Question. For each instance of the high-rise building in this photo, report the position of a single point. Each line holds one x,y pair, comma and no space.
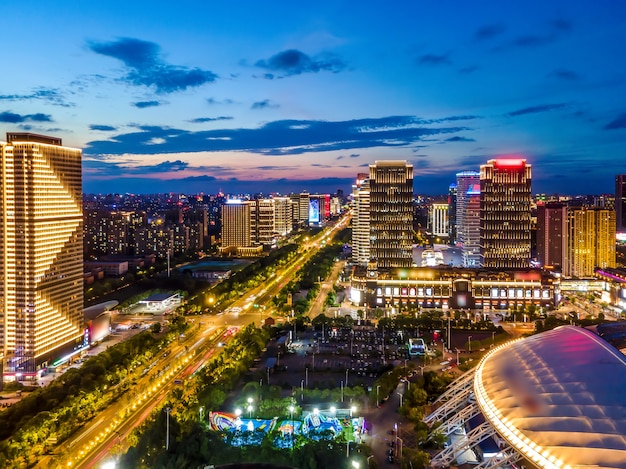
452,213
439,220
620,203
590,241
41,250
505,188
391,214
361,222
283,213
470,250
236,229
465,180
551,233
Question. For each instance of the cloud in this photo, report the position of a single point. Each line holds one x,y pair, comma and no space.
265,104
536,109
201,120
14,118
354,155
48,95
567,75
144,104
617,123
147,68
556,29
103,128
459,139
282,137
489,31
213,101
434,59
294,62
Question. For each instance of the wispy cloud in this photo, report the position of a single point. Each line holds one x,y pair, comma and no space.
536,109
489,31
434,59
147,68
566,75
145,104
202,120
555,30
283,137
459,139
14,118
294,62
214,102
47,95
102,128
617,123
265,104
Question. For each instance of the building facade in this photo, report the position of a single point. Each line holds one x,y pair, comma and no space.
465,180
41,250
439,224
505,216
470,250
361,223
391,214
449,288
551,233
590,241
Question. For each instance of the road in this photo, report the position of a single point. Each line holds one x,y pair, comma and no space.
94,443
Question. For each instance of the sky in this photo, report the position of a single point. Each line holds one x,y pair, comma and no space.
285,96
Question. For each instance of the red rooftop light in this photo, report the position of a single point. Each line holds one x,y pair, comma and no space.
510,163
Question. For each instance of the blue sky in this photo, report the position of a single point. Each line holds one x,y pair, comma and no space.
284,96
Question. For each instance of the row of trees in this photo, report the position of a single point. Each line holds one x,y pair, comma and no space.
55,412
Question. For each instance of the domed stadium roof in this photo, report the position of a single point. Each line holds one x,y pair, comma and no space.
559,398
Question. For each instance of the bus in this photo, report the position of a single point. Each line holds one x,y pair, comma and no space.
417,347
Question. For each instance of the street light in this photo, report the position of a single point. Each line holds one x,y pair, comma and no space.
400,394
377,400
469,343
355,464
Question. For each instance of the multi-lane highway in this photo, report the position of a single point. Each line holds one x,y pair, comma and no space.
93,444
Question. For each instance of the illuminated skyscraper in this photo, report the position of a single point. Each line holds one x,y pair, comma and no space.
505,188
551,233
361,222
438,220
41,249
590,241
470,251
391,214
465,181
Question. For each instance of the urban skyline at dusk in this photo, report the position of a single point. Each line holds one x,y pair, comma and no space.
243,98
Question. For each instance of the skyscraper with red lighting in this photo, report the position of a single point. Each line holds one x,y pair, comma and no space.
505,187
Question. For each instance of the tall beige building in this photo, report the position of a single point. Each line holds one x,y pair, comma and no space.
41,250
391,214
505,197
590,241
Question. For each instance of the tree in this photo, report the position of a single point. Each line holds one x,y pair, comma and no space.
156,328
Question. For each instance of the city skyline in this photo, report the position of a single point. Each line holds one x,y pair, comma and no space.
240,98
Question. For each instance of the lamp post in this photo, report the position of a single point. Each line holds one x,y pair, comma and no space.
342,391
250,409
201,411
377,399
469,343
457,357
400,394
293,427
346,377
167,428
493,337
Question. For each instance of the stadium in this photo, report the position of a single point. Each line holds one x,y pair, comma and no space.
553,400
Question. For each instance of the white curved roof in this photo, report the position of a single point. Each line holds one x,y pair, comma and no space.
558,397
